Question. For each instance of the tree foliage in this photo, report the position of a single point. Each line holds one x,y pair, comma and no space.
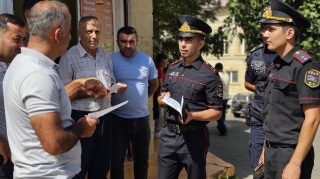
245,14
165,26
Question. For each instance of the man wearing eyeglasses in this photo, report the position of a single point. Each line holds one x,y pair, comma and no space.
85,60
131,121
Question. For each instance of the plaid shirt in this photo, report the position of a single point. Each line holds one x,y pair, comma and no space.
77,63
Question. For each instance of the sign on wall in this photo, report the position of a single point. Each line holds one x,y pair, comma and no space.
103,10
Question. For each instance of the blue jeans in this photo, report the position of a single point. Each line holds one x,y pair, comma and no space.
255,142
136,130
6,171
96,150
221,126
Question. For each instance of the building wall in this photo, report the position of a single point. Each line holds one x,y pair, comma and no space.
141,18
233,60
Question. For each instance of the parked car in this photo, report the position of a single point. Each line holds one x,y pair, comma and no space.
240,103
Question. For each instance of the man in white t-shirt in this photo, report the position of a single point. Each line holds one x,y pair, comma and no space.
225,82
43,139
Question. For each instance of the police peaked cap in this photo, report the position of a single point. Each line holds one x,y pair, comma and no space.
280,12
191,26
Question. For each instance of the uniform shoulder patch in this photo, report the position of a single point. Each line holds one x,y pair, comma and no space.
175,62
256,48
220,90
311,78
302,56
210,67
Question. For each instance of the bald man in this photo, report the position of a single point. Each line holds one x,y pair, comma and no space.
43,138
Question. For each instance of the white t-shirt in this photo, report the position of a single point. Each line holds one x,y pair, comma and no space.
32,87
225,82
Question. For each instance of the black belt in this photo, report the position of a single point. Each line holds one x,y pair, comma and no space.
255,114
279,145
182,128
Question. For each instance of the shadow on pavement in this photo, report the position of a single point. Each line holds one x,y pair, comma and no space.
232,148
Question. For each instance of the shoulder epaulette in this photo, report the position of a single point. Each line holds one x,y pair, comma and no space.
210,67
256,48
302,56
175,62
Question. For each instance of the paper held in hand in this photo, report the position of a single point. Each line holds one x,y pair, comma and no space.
174,104
113,88
96,115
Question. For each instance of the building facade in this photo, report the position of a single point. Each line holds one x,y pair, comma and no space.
233,59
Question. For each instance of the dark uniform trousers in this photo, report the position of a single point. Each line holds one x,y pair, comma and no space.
276,160
255,143
178,151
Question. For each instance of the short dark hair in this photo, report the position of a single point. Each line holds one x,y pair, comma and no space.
28,4
286,26
9,18
218,66
127,30
85,19
160,57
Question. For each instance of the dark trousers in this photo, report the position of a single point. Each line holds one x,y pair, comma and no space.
276,159
96,150
6,171
255,143
155,107
221,122
136,130
187,150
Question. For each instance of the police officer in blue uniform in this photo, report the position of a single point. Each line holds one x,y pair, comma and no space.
185,140
292,96
256,75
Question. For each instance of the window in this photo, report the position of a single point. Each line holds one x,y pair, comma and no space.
233,75
241,46
225,45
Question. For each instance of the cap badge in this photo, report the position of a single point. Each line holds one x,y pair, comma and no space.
268,15
186,28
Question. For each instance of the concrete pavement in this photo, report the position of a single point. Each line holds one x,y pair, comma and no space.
233,148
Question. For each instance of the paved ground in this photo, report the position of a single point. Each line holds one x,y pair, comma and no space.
234,147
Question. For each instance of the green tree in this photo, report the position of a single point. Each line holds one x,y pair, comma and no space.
245,14
165,26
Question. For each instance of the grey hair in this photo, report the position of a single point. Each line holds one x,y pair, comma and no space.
42,20
86,19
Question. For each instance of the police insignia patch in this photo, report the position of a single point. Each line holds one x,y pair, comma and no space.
311,78
220,90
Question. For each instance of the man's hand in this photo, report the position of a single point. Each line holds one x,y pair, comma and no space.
188,119
291,171
5,150
122,89
261,159
162,104
94,87
88,126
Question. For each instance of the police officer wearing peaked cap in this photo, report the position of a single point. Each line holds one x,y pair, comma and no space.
185,139
256,76
292,96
